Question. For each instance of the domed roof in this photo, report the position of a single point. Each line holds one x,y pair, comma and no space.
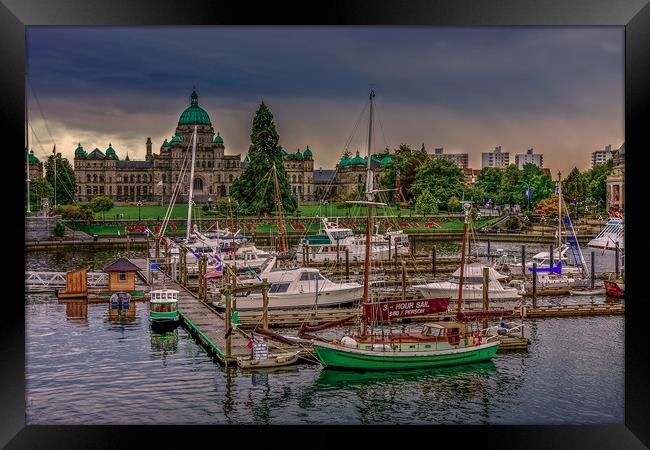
166,144
194,114
110,151
387,159
176,138
32,159
283,152
298,155
80,150
345,160
308,153
357,159
218,139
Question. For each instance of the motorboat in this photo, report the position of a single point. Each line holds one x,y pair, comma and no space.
472,285
298,288
163,307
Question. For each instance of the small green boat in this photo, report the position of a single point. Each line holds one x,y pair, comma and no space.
439,344
163,307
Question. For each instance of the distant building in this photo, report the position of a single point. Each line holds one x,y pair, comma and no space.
616,180
601,156
35,166
324,186
529,158
471,175
460,159
497,158
300,172
351,172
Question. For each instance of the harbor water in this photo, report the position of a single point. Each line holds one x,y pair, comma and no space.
88,369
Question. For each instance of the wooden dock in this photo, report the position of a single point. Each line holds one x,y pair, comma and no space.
575,310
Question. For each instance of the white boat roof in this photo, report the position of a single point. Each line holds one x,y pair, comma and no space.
476,270
164,291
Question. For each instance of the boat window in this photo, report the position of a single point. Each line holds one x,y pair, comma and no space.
304,276
433,331
279,287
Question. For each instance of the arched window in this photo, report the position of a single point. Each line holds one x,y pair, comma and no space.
219,178
132,180
294,178
230,178
94,178
89,178
299,178
209,164
138,178
198,184
164,178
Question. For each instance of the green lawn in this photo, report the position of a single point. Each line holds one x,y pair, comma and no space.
180,212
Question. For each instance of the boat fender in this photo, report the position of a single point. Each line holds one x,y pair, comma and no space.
348,342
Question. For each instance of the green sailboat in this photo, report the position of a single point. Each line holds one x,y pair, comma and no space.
436,344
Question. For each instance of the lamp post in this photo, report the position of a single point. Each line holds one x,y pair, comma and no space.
210,202
139,214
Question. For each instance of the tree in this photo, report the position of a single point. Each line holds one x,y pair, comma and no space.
509,191
101,203
66,185
441,177
426,203
596,181
225,204
547,207
39,188
407,161
534,179
254,190
490,179
453,204
574,187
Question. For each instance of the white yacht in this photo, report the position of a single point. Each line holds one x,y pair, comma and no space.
323,246
612,234
299,288
472,286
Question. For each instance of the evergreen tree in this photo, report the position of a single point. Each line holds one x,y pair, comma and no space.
407,161
596,181
254,190
574,187
66,185
426,203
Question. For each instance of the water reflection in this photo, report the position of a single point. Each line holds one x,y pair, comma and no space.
164,342
76,310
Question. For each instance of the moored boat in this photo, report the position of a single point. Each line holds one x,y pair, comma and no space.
163,307
613,289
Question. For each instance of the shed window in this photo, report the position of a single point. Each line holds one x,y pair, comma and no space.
121,276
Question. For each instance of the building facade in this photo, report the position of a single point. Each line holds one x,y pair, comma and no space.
601,156
350,178
529,158
103,173
496,158
460,159
616,181
300,173
34,166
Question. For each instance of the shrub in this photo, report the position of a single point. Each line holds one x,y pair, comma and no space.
59,229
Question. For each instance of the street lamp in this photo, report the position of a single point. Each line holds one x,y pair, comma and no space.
210,202
139,206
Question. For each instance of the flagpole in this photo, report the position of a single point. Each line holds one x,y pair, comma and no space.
54,158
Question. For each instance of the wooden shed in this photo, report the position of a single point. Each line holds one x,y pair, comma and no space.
121,275
75,285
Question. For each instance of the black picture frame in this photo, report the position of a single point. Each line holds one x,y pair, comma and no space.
15,15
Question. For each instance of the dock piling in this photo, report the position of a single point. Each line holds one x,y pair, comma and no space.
534,285
550,252
616,255
523,261
486,299
433,261
593,268
347,265
265,304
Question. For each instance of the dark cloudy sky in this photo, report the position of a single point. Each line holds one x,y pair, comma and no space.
558,90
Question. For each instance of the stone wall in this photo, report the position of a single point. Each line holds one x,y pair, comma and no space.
40,228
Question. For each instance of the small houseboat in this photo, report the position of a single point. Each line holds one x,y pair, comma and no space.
163,307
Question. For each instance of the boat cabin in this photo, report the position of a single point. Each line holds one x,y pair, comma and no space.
121,275
163,301
451,331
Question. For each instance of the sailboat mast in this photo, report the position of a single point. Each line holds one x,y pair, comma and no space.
278,202
462,259
559,215
189,199
27,146
366,266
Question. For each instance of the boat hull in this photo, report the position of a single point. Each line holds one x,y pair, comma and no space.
301,300
469,293
337,356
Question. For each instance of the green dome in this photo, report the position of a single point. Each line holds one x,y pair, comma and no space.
357,159
386,160
345,160
110,151
166,144
218,139
176,138
194,115
80,150
308,153
298,155
283,152
32,159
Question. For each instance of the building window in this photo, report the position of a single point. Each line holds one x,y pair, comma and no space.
299,178
230,178
121,276
198,184
219,178
95,178
101,189
119,190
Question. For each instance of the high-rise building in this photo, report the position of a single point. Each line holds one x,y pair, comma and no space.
601,156
460,159
529,157
497,158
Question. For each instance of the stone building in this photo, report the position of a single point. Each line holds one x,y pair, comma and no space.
300,173
154,178
616,181
351,172
35,166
